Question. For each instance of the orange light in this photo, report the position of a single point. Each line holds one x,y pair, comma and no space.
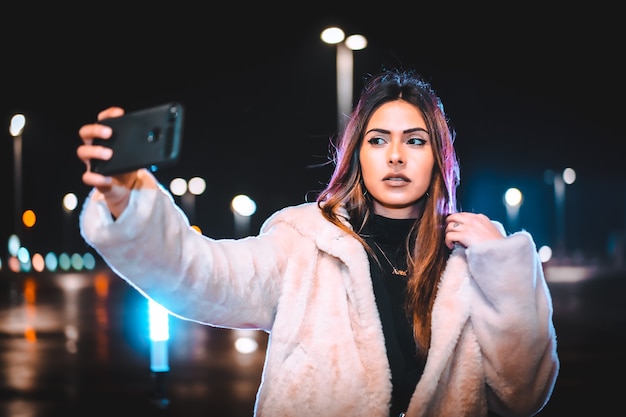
30,292
101,284
30,287
29,218
30,334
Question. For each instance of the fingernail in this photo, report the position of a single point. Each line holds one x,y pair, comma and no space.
106,153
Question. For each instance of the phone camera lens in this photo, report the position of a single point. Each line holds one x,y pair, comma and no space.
154,135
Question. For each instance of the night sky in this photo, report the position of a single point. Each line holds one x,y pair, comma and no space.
526,90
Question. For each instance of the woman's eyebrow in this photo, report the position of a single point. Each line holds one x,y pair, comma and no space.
414,129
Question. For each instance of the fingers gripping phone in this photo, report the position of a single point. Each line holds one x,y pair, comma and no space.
148,138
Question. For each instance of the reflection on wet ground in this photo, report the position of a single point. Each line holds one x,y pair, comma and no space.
76,344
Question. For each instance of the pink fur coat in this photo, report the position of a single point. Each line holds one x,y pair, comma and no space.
308,284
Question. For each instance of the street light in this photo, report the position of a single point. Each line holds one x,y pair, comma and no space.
187,191
345,67
16,128
513,200
158,322
559,180
242,207
70,203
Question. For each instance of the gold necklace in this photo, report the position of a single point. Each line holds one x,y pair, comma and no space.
394,270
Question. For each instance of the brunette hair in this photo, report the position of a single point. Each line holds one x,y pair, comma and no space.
427,252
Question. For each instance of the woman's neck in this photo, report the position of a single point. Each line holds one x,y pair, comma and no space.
412,211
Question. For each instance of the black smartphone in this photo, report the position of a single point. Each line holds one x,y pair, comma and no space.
148,138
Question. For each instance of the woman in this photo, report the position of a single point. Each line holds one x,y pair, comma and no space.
380,299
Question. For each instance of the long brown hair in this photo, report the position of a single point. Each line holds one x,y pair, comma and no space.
427,253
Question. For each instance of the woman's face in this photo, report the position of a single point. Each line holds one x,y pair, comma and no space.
396,159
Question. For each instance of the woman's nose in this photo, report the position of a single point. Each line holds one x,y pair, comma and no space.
395,153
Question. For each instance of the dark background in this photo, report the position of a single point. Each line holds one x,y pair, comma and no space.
527,88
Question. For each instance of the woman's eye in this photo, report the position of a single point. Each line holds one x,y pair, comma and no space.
416,141
376,141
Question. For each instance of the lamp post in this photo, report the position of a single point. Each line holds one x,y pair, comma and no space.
187,191
558,181
513,200
16,129
345,68
242,207
158,322
70,203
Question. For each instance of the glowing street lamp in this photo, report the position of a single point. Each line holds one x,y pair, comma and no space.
69,203
159,332
16,128
559,180
187,191
345,67
243,207
513,200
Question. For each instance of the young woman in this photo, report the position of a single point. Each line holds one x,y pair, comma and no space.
380,299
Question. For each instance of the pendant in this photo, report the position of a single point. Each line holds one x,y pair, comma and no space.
397,271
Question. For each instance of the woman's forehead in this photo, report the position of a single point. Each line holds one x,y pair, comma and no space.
396,115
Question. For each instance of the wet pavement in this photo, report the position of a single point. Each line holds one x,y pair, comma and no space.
76,344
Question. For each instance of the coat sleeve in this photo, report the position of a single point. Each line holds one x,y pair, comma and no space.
226,283
511,313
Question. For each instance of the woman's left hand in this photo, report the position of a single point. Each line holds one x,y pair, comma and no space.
470,228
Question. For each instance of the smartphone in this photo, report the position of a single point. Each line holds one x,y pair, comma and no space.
148,138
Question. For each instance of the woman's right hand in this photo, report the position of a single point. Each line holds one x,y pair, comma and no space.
115,189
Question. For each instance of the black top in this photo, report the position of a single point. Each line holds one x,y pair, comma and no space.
389,290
